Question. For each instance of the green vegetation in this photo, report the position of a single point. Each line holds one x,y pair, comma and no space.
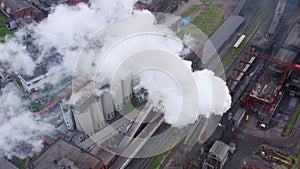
22,164
135,103
189,11
26,97
158,160
232,56
3,30
292,121
209,20
36,106
262,14
18,81
127,109
33,157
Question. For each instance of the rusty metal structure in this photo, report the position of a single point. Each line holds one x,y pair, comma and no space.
268,92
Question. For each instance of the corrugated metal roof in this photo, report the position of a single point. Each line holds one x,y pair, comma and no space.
16,5
219,149
6,164
65,154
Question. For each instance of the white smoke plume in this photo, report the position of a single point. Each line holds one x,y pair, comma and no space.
20,131
14,54
211,95
67,28
154,59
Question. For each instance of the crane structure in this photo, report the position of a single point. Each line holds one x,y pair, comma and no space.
272,97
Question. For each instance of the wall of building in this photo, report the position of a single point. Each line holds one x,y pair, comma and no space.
67,115
34,84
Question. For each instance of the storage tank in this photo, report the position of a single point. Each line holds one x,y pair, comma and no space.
126,86
84,122
108,106
117,95
97,116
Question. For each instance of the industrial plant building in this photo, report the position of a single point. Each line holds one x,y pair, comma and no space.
41,75
87,108
64,154
268,91
19,9
218,155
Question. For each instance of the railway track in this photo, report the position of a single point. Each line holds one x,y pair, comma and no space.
147,162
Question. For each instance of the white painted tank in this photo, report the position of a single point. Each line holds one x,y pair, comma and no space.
126,86
97,116
84,120
108,106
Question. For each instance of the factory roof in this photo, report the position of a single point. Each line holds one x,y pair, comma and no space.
16,5
279,11
292,40
84,94
103,154
294,36
38,71
6,164
42,67
63,154
239,114
219,149
226,30
146,2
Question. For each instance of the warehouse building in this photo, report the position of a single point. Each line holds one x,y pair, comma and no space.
218,155
64,154
20,9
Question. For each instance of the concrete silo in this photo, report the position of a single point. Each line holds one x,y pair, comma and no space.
107,106
97,114
126,86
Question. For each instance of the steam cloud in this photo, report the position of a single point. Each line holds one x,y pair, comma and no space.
153,61
69,29
20,132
